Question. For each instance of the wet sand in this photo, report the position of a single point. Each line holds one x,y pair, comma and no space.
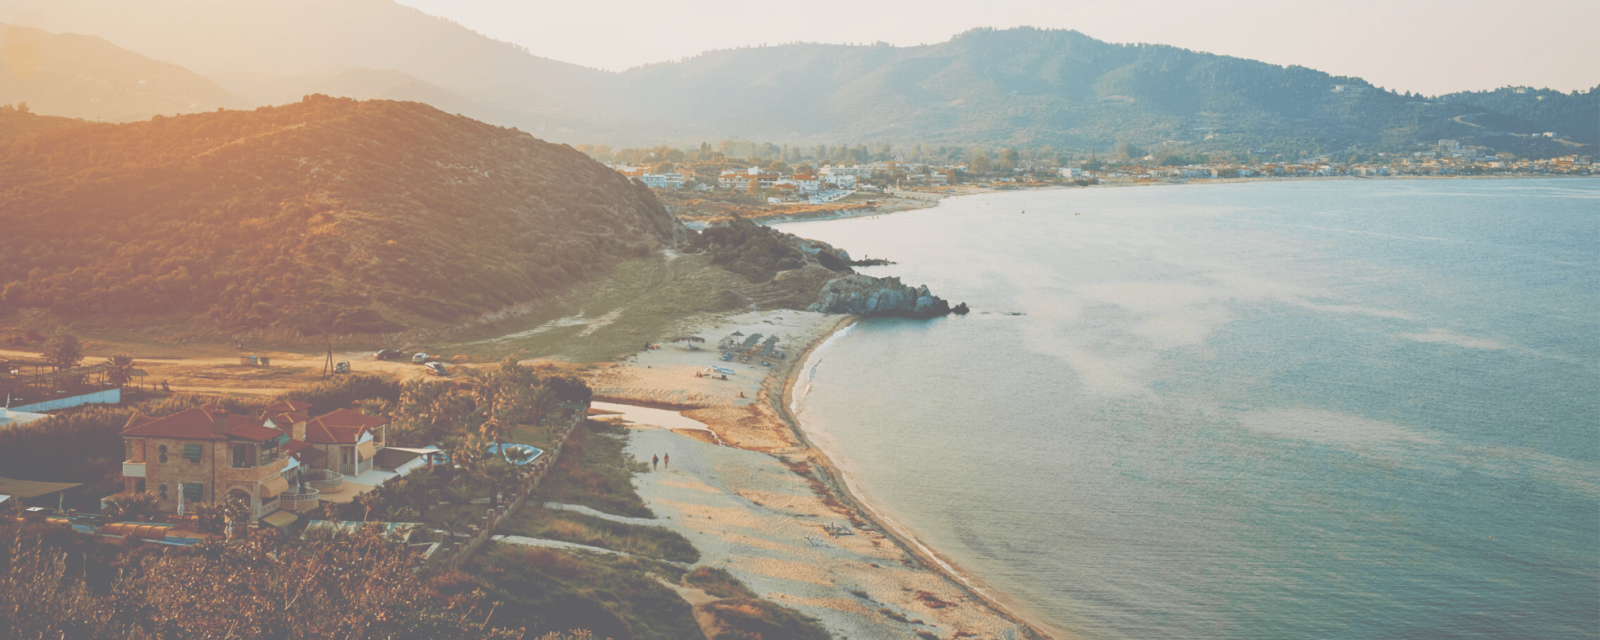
758,500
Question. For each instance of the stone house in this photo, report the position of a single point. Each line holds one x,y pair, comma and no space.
205,455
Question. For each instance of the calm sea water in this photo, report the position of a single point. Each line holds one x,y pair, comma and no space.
1277,410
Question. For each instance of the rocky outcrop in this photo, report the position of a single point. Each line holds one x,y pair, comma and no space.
869,296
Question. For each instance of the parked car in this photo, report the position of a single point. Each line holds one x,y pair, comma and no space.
419,358
342,366
437,368
388,354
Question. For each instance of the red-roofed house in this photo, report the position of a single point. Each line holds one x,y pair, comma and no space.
350,439
205,454
288,415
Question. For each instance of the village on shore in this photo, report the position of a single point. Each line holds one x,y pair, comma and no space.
780,185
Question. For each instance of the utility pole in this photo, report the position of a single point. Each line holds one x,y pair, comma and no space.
327,363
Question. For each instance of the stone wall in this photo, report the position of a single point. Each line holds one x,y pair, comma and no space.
514,498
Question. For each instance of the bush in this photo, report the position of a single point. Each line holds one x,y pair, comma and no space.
651,542
595,472
718,582
343,391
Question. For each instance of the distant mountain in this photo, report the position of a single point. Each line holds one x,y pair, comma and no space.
1030,87
1018,87
86,77
316,37
326,215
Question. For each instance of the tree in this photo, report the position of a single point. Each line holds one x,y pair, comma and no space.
120,368
62,350
499,473
357,585
980,162
1008,159
426,412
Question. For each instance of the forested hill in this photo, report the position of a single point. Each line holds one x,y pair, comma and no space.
327,215
1021,87
1528,110
1032,87
17,122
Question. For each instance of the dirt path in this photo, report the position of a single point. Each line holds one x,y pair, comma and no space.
225,375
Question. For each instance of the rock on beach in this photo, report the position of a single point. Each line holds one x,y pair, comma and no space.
868,296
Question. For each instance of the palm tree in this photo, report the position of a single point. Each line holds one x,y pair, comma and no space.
499,473
119,369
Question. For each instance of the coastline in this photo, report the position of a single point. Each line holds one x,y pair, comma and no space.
841,485
751,490
905,201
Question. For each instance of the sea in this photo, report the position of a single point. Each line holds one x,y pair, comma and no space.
1322,409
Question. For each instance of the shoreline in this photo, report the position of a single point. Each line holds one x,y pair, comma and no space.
752,492
907,200
843,488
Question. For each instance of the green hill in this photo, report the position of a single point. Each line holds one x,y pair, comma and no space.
1031,87
327,215
1525,110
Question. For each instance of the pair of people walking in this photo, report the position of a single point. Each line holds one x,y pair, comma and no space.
656,461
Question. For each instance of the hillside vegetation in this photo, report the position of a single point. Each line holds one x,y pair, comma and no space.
1033,87
17,121
327,215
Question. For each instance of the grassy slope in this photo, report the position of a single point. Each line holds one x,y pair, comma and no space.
641,300
567,526
594,472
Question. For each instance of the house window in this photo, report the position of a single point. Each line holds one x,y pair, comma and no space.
163,450
140,486
347,455
243,456
192,452
194,490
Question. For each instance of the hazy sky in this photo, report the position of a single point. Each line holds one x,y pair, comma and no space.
1427,46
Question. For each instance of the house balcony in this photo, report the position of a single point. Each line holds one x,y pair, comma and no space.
267,506
264,461
302,501
324,481
132,469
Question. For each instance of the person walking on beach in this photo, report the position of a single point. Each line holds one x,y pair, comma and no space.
666,459
655,461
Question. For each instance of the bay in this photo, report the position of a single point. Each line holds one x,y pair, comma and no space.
1333,409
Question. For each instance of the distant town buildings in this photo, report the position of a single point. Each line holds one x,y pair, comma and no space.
832,182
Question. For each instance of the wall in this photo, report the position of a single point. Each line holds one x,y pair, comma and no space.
109,396
178,470
514,497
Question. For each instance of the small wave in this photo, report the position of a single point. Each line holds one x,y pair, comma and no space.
810,367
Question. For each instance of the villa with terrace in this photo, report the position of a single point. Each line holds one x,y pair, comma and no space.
279,462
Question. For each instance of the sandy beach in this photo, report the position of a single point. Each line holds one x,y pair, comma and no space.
747,489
